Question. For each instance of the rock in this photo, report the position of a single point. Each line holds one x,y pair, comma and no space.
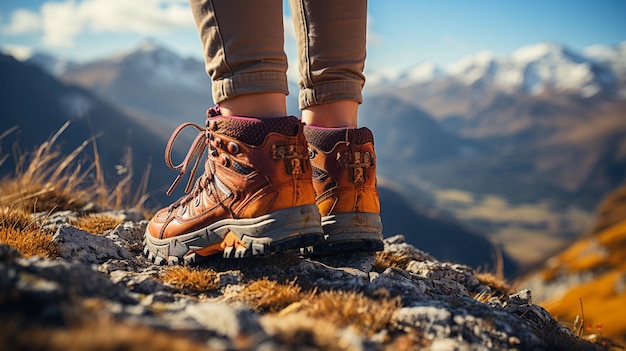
437,306
77,245
228,321
8,253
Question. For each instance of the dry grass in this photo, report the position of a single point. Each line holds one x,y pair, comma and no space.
386,260
498,285
266,295
350,309
319,320
19,230
191,279
46,180
96,223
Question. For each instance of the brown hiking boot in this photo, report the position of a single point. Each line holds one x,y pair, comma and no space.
255,196
344,178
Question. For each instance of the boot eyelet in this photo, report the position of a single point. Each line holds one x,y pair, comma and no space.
224,160
233,148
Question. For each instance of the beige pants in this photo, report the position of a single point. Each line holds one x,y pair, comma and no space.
243,44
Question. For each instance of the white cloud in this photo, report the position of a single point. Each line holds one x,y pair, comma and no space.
373,38
22,22
61,22
18,51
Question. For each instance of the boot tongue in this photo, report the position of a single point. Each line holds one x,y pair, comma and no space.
253,131
325,139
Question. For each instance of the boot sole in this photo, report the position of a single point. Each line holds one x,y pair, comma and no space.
350,232
291,228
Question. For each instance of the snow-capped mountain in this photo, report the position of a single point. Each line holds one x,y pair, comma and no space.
535,69
161,66
148,80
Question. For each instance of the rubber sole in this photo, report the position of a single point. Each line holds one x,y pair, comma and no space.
349,232
291,228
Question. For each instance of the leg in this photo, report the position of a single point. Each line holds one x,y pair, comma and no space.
243,42
331,48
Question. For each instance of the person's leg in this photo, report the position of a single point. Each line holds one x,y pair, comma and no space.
331,47
243,42
256,194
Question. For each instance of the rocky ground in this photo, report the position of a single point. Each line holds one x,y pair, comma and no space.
102,293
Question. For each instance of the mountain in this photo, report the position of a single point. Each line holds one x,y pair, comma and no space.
521,146
50,64
543,68
38,104
551,117
612,57
407,134
440,237
591,272
149,82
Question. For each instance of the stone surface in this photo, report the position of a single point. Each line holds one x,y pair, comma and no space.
438,304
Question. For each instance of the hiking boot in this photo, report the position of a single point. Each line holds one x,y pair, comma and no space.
344,178
255,196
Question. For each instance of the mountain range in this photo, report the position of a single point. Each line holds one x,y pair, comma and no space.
543,128
39,104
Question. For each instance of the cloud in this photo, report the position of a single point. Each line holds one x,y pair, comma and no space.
22,22
18,51
373,37
61,22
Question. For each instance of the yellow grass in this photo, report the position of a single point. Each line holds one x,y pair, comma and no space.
497,283
603,254
191,279
266,295
19,230
96,223
46,180
347,308
604,307
386,260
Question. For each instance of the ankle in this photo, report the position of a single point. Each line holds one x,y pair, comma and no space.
262,105
336,114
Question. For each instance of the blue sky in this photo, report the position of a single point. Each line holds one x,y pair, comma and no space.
402,33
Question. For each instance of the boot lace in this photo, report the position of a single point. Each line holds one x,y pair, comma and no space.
194,155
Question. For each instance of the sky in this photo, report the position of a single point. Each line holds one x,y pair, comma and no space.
401,33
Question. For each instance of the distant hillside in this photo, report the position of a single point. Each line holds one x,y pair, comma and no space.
39,105
591,271
438,236
148,79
